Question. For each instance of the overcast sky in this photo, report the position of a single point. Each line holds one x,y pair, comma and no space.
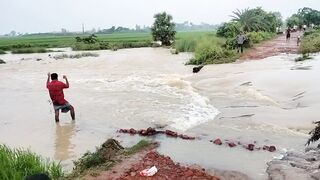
52,15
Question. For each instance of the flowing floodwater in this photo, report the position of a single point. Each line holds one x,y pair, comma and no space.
271,101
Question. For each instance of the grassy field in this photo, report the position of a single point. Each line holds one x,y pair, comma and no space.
10,43
16,164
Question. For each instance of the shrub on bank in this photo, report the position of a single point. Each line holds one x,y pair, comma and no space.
310,43
29,50
257,37
186,45
18,164
2,51
80,46
212,53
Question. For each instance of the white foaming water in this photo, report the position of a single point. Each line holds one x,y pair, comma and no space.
190,108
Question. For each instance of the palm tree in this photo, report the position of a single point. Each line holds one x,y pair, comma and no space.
250,19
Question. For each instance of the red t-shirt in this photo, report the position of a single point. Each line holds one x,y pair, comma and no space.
55,88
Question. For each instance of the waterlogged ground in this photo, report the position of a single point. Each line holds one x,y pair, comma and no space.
272,101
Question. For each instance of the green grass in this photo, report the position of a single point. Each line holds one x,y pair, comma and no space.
115,41
29,50
16,164
9,43
310,43
2,51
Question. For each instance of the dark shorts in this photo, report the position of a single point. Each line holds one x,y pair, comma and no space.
64,108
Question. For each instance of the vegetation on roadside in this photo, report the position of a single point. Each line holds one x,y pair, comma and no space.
29,50
305,16
310,43
163,29
105,157
218,48
2,51
16,164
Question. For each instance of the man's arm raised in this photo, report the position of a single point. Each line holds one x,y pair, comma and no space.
67,82
48,80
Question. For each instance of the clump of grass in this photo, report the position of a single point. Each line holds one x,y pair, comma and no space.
138,147
103,154
2,51
186,45
76,56
19,163
2,61
303,57
29,50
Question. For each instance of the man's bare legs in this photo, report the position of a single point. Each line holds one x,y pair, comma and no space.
72,113
56,113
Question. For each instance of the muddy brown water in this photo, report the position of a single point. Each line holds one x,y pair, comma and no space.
272,101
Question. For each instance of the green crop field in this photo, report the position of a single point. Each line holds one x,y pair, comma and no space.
49,41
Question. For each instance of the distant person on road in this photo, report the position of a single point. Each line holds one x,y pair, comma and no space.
288,32
55,88
298,40
241,38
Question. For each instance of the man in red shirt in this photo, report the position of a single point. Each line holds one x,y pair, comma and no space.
55,88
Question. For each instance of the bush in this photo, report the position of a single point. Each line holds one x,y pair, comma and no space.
80,46
29,50
310,43
2,51
208,52
18,163
257,37
229,30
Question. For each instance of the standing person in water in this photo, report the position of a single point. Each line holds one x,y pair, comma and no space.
288,34
240,41
55,88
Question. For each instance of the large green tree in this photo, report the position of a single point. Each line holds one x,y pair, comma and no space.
304,16
257,19
163,29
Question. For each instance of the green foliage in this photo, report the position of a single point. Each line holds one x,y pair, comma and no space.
29,50
211,51
304,16
229,30
257,19
2,51
138,147
257,37
294,20
87,40
163,28
16,164
186,45
310,43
